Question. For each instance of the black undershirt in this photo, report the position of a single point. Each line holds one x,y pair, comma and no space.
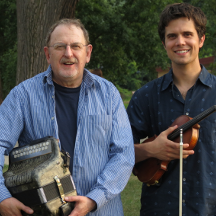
66,112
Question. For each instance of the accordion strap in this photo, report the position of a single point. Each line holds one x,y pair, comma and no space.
66,158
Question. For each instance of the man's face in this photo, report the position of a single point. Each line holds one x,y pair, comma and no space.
182,42
67,64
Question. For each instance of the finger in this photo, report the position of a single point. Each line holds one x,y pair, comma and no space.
188,152
72,198
185,145
171,129
27,210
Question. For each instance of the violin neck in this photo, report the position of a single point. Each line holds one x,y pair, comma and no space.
192,122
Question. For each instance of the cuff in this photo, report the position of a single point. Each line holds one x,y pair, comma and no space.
4,193
98,196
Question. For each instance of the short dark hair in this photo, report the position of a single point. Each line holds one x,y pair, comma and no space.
75,22
178,10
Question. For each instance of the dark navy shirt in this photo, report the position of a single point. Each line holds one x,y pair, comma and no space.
152,109
66,114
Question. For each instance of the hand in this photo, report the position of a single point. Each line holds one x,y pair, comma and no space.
165,149
13,207
83,205
161,148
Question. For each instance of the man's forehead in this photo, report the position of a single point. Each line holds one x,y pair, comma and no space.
67,31
181,24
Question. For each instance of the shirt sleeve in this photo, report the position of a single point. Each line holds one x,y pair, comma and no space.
139,115
11,124
117,171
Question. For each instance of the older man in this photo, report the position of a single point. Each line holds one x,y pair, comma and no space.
84,111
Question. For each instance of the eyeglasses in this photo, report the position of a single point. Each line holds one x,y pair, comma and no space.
63,46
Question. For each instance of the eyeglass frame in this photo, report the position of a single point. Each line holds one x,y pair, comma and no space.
64,45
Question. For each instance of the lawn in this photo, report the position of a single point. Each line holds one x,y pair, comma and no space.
5,168
132,192
131,197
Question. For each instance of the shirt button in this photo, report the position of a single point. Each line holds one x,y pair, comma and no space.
52,118
183,201
184,179
53,96
187,113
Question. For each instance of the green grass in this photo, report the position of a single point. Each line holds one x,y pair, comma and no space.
5,168
131,197
132,193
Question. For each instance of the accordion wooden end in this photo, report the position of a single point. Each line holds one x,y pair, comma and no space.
39,176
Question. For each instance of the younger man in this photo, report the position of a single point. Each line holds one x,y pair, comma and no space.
188,89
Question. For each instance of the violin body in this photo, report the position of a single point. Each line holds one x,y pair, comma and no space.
151,170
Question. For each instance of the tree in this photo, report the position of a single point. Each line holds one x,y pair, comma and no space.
33,20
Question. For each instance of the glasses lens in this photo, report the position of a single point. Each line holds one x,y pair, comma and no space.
59,46
76,46
73,46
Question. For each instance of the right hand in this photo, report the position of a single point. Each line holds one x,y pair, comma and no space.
13,207
161,148
165,149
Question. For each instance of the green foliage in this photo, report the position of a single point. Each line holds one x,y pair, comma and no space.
8,38
122,33
209,8
125,95
8,68
126,45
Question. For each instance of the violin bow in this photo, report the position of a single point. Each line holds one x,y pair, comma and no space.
180,172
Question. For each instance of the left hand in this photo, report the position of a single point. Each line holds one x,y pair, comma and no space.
83,205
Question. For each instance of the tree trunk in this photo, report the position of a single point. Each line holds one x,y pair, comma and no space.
34,17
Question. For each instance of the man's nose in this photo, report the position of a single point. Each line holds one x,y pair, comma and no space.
180,40
68,51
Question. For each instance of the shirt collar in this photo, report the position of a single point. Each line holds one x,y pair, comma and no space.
204,78
48,76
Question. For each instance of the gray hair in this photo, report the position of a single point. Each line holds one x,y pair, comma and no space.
75,22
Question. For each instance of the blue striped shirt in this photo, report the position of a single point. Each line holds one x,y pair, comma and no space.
104,152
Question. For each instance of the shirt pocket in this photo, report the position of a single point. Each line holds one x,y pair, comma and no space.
94,135
96,129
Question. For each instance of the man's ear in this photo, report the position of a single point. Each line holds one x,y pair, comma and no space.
89,51
202,41
46,51
163,44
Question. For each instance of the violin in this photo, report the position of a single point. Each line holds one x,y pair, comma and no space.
151,170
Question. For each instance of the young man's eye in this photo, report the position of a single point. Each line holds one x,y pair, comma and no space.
171,36
188,34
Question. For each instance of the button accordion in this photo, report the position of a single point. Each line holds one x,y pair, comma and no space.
39,176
